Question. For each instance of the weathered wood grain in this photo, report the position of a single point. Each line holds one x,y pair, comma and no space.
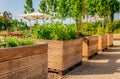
116,36
109,40
28,62
102,42
90,46
63,54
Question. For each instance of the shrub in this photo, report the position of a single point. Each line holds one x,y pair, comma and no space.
55,31
27,34
116,27
14,41
91,28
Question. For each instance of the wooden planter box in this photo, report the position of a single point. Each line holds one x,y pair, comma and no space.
90,47
116,36
102,42
17,34
62,55
28,62
109,40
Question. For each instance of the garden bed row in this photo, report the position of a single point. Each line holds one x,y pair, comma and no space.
64,55
31,62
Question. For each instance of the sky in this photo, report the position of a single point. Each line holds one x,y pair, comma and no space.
16,7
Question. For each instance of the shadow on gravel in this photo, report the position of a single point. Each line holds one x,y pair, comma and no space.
106,63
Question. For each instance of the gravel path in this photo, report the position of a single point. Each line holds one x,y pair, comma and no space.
106,65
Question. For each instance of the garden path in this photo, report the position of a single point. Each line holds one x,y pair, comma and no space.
106,65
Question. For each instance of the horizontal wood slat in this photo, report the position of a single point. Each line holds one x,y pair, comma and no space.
60,52
27,62
90,46
116,36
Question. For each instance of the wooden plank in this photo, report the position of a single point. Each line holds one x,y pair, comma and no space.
116,36
72,51
90,46
55,50
63,72
28,66
109,40
7,54
102,42
60,52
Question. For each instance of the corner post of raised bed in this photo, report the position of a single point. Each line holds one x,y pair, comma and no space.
90,47
85,50
109,40
102,42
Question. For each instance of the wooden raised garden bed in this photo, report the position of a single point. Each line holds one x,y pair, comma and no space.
27,62
17,34
109,40
102,42
90,47
116,36
62,55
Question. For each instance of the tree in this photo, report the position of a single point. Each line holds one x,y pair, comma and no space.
103,8
28,7
64,9
90,7
114,7
43,6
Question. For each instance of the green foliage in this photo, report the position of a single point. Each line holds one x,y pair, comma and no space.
2,24
103,8
96,28
13,24
108,27
16,25
55,31
116,27
27,34
91,28
113,7
14,41
90,7
99,30
62,8
43,6
28,7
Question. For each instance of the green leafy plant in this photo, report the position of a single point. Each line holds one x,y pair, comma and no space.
91,28
55,31
14,41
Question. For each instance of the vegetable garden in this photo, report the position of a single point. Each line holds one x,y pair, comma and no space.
67,45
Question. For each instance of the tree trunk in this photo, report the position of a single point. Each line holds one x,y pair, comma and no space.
112,17
79,26
87,17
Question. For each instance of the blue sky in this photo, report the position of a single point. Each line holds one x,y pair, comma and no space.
16,7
